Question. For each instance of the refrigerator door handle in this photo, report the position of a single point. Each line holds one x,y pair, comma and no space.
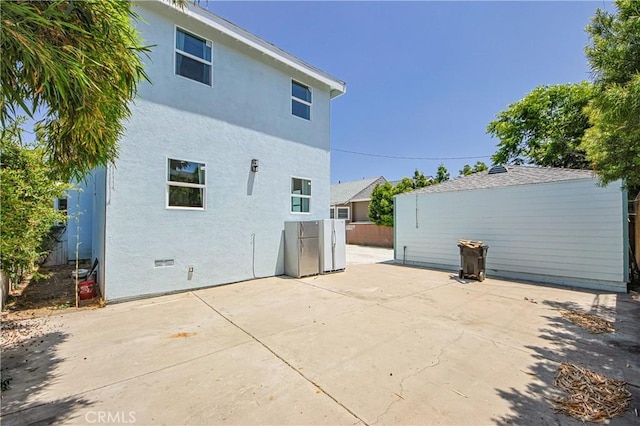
333,238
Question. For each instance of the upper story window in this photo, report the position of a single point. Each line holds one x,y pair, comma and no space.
193,57
300,100
300,195
186,185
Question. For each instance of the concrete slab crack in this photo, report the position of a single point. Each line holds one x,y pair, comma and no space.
436,363
287,363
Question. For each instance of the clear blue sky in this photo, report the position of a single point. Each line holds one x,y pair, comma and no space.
423,78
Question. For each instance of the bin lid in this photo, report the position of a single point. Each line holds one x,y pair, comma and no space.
470,243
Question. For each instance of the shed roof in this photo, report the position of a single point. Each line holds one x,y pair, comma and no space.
515,175
356,190
336,87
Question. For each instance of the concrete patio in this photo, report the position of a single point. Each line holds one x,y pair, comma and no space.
377,344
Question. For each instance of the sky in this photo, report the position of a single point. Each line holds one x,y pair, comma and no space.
423,78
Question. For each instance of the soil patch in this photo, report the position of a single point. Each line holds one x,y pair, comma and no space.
48,295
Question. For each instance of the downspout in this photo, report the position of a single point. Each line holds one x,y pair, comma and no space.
416,211
253,255
102,268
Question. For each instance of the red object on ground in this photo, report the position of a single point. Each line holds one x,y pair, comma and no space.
87,289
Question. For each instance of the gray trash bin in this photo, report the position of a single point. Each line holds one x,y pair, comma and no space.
473,259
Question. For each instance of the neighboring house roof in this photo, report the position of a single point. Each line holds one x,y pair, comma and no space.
336,86
357,190
514,175
396,182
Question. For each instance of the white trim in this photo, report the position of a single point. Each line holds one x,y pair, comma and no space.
291,194
169,183
190,56
337,213
337,87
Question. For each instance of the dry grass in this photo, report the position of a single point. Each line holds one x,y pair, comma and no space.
593,323
52,293
591,397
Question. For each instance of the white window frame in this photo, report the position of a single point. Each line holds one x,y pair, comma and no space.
337,213
169,183
190,56
332,212
302,101
291,194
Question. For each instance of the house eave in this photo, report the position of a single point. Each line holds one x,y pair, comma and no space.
336,87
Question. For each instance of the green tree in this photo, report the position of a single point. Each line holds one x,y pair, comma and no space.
544,128
467,170
420,180
612,143
381,204
442,174
27,190
78,62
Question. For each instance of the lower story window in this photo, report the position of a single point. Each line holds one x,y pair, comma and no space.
186,185
343,213
300,195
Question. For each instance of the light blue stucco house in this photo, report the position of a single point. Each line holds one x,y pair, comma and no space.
228,141
73,241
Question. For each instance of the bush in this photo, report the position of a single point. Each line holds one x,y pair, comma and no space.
27,191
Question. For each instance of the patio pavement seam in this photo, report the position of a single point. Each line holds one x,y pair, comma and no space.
288,364
127,379
377,303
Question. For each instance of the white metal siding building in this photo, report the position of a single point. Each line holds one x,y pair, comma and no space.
541,224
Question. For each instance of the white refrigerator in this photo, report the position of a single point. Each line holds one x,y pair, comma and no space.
333,240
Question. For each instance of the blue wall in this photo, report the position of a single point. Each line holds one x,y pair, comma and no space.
80,222
245,115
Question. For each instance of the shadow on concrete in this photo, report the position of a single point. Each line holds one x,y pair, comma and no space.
615,355
465,281
29,362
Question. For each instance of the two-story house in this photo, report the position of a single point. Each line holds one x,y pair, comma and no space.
229,140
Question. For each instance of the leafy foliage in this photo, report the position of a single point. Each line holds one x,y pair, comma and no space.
467,170
442,174
381,205
27,190
420,180
78,62
613,143
544,128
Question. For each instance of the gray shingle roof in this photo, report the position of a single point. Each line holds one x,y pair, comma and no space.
515,175
355,190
